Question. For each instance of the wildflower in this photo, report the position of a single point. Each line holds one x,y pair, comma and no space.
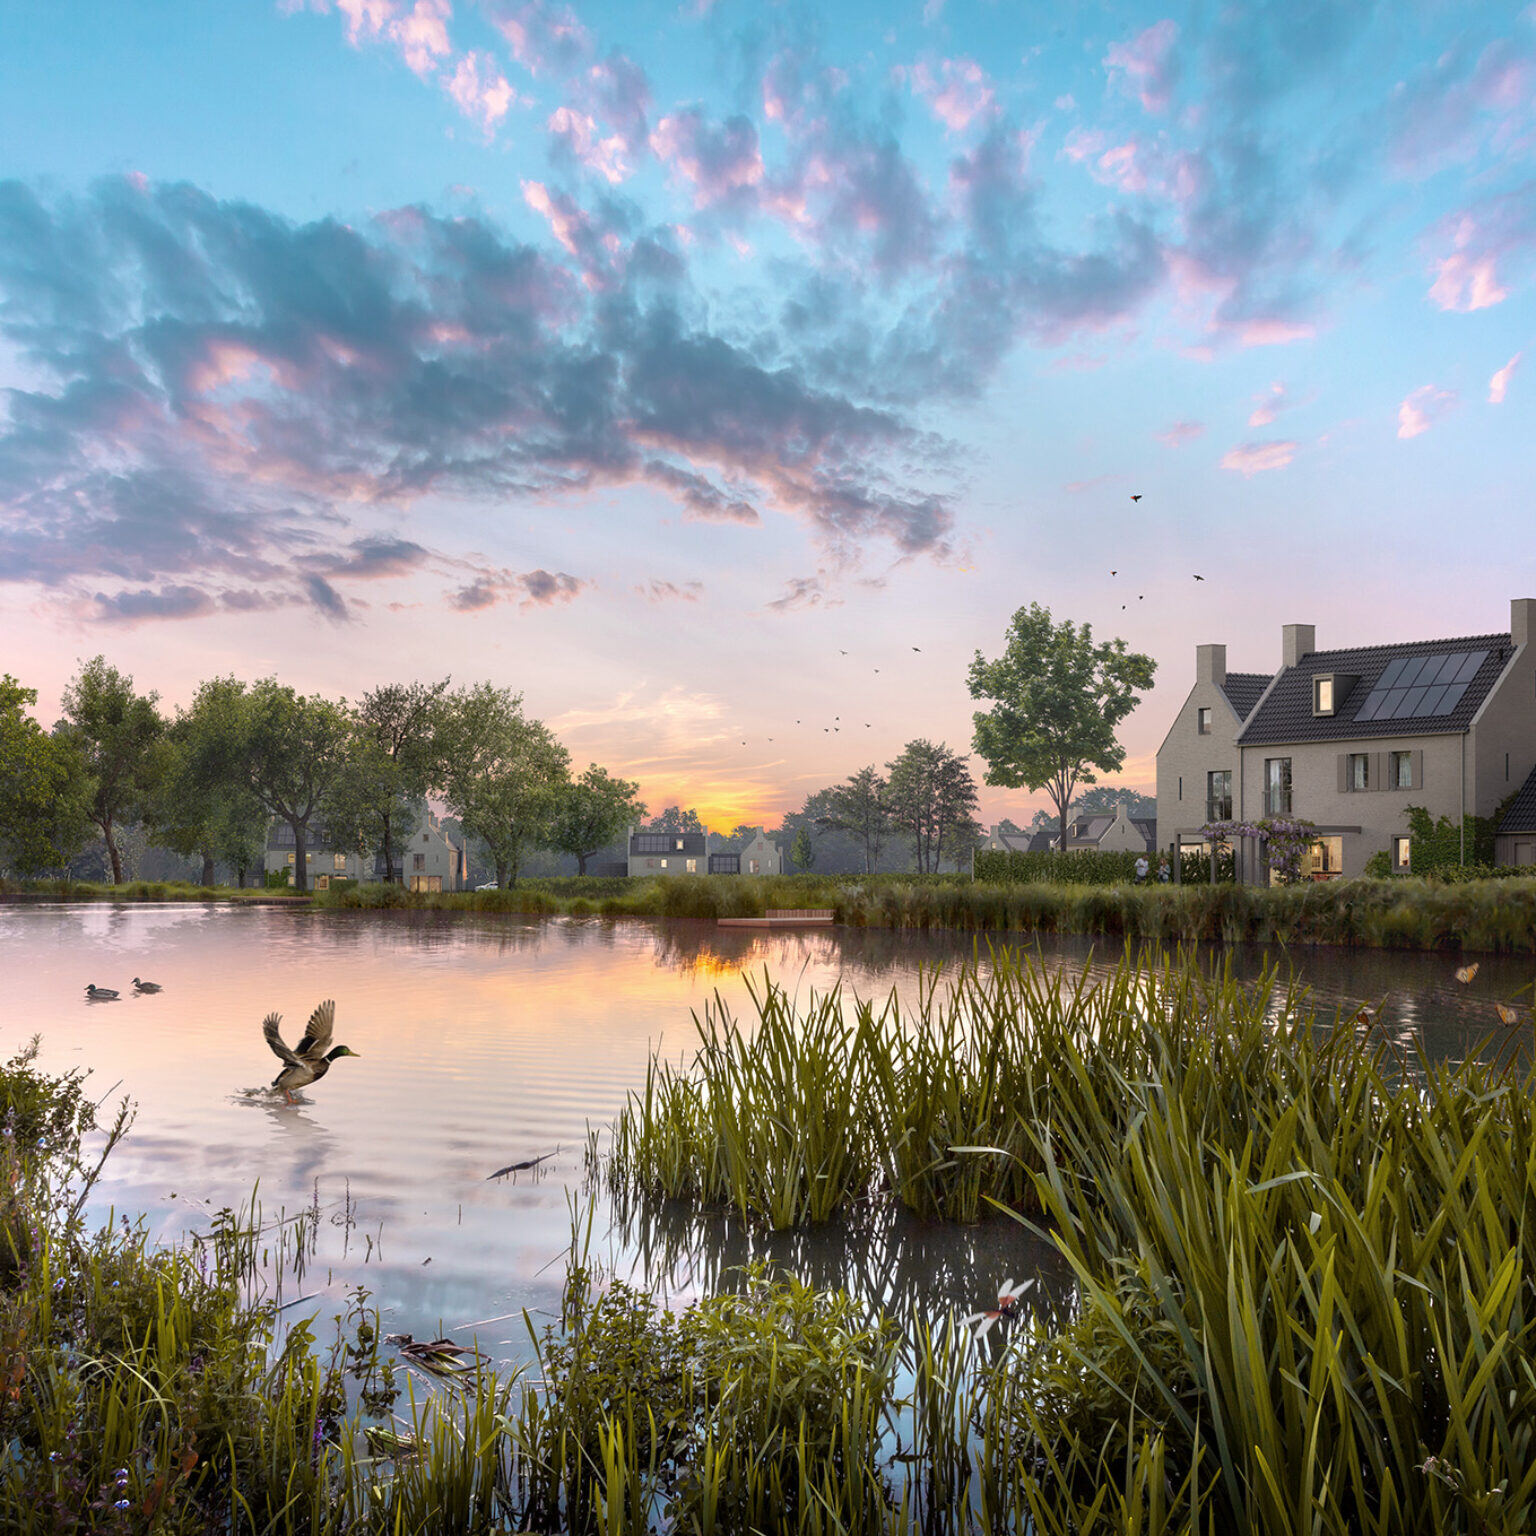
121,1504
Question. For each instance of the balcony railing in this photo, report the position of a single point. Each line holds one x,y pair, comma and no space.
1277,802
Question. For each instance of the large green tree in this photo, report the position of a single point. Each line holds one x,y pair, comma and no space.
504,773
674,820
1057,700
802,851
286,750
932,798
591,811
117,732
394,758
210,819
858,808
45,789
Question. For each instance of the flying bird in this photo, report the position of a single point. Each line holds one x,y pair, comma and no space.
1114,573
1141,597
311,1061
1199,578
146,986
1136,498
917,647
842,653
100,994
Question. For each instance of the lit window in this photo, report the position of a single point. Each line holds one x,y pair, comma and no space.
1401,850
1218,795
693,866
1277,786
1203,721
1359,770
752,867
290,858
1400,772
679,845
339,862
1322,696
663,863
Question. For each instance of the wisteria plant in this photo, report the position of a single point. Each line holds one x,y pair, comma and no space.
1285,840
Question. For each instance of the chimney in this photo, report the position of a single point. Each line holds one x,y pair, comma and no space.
1211,664
1297,640
1522,610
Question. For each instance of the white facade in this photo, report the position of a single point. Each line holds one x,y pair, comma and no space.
761,857
431,861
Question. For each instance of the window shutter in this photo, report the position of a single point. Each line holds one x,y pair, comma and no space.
1343,773
1378,770
1416,762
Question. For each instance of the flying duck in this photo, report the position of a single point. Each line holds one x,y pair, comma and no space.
312,1060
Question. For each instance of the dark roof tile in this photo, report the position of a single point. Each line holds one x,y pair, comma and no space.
1286,715
1521,816
1243,690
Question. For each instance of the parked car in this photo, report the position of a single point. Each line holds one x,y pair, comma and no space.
490,885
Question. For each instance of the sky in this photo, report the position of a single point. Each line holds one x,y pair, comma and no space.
723,376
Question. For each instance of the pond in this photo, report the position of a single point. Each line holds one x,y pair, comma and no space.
488,1041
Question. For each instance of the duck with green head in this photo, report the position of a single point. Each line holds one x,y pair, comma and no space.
314,1055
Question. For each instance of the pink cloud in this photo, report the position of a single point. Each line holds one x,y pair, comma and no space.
1270,404
567,222
1181,432
1465,283
541,36
1274,332
1425,406
722,161
1498,385
421,35
480,91
1077,487
1255,458
958,92
366,18
584,141
530,589
1146,64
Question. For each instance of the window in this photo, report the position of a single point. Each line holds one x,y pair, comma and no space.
679,845
650,863
1218,795
1181,786
693,866
752,866
1203,721
418,861
290,858
1400,770
663,863
1277,786
1322,695
1402,853
1359,770
339,862
1327,858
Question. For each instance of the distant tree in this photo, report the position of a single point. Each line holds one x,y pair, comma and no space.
393,759
46,791
591,811
504,773
932,798
859,808
802,852
117,731
737,839
1057,700
284,749
1106,800
208,819
675,821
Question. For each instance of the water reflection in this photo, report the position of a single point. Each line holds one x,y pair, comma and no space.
490,1040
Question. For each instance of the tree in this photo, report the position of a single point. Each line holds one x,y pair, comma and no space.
932,798
284,749
675,821
1057,700
45,788
1106,800
393,760
591,811
504,772
859,809
208,819
117,731
802,851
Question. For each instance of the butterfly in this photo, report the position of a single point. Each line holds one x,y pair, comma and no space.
1508,1015
1465,973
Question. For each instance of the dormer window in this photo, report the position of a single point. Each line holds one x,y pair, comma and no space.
1203,721
1323,695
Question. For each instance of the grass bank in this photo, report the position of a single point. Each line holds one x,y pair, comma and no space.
141,890
1422,914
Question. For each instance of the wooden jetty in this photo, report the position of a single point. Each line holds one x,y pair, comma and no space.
783,917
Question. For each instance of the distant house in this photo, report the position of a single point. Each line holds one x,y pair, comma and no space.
323,862
759,857
997,841
432,861
1116,831
1514,839
668,853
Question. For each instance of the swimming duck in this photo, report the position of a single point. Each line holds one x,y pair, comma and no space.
311,1061
100,994
146,986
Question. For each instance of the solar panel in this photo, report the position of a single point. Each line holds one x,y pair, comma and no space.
1420,687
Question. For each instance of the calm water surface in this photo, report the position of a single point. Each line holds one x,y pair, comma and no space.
488,1041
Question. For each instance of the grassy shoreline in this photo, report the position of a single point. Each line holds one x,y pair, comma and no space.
1484,916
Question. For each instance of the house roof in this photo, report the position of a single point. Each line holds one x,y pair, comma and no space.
1243,690
693,843
1147,826
1521,816
1286,715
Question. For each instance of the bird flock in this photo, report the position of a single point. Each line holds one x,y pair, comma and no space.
836,727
